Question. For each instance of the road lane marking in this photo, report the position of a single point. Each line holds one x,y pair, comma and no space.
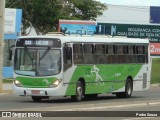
87,107
141,118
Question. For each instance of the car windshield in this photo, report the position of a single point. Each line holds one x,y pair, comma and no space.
37,62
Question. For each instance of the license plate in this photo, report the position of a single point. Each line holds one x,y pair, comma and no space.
35,91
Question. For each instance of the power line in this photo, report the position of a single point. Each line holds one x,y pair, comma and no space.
142,8
14,3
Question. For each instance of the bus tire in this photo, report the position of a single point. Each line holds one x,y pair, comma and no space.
79,92
36,98
128,90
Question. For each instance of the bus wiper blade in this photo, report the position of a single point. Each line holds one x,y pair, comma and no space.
28,54
44,54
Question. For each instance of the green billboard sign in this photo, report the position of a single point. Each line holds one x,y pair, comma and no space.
130,30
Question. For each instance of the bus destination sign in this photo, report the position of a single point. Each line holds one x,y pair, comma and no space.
38,42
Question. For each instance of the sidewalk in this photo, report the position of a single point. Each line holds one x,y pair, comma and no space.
7,88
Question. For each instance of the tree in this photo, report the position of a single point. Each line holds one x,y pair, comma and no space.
87,9
17,4
44,15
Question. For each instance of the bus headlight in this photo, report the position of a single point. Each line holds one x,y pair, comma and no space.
56,83
17,83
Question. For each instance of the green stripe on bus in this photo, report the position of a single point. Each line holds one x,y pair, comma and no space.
94,81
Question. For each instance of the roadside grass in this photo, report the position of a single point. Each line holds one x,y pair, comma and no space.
155,72
9,80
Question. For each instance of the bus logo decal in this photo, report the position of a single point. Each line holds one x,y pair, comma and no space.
46,81
98,79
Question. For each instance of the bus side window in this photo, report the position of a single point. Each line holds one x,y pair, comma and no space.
99,54
130,57
88,53
140,54
77,54
111,56
121,51
67,57
135,53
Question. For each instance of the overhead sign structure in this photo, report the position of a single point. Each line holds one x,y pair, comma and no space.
12,28
155,14
12,23
155,49
152,32
2,6
77,27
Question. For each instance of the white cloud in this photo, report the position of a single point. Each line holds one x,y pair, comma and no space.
132,2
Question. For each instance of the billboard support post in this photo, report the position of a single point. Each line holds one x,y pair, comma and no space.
2,8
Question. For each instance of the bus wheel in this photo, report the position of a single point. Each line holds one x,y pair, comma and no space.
128,90
36,98
79,92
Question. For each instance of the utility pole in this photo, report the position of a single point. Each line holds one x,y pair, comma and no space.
2,9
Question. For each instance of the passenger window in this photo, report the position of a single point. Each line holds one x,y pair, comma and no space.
99,54
111,51
140,54
67,57
77,54
121,57
88,53
131,56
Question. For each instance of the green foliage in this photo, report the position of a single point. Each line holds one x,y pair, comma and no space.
87,9
155,72
8,80
44,15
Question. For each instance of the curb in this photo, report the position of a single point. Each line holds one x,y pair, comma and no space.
108,107
155,85
92,107
4,92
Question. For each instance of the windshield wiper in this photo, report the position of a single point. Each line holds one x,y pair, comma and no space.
28,53
45,53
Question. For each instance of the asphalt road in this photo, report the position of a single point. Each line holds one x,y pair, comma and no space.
148,100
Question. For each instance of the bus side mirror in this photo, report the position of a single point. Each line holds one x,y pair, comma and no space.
10,55
11,52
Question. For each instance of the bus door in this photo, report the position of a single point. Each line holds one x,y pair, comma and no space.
67,62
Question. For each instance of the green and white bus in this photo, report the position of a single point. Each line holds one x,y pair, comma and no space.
80,66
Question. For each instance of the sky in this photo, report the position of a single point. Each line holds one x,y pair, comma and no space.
132,2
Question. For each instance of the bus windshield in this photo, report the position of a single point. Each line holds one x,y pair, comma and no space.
37,62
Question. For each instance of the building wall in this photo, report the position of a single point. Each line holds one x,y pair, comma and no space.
126,14
133,21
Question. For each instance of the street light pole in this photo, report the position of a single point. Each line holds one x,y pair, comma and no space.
2,10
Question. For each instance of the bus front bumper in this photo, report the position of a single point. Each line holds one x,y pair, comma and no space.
21,91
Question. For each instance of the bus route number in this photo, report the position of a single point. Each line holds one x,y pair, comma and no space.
41,42
29,42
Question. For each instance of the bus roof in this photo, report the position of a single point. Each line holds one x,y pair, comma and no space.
88,39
